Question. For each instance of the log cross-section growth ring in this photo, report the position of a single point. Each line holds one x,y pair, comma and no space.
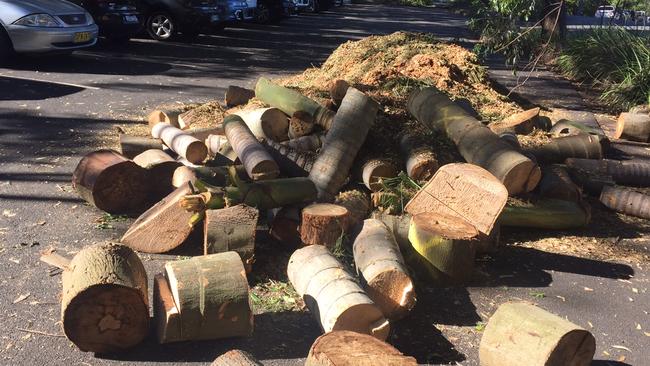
345,348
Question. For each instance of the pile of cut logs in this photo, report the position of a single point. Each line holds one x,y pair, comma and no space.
292,161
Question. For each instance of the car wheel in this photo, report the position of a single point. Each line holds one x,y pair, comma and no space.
6,48
263,13
160,26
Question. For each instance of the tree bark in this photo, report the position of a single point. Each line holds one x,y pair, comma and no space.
554,23
268,123
323,224
344,348
306,143
547,214
131,146
522,334
562,148
624,150
348,132
475,142
236,357
421,161
626,201
164,115
256,160
378,257
633,126
183,144
374,170
338,90
111,182
332,295
292,162
231,229
633,173
521,123
165,312
236,95
104,305
557,184
357,203
161,169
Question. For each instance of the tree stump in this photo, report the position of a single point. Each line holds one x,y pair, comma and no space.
523,334
231,229
421,161
104,305
344,348
236,95
626,201
256,160
236,357
633,126
378,257
267,123
161,169
550,214
183,144
131,146
323,224
332,295
111,182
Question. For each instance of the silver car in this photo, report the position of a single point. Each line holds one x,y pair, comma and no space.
35,26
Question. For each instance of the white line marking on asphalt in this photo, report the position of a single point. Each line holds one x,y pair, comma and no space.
49,81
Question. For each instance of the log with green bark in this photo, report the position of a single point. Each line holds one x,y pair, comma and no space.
475,142
292,162
344,139
626,201
290,101
633,126
633,173
556,183
131,146
519,333
547,214
231,229
345,348
256,160
562,148
268,123
421,161
180,142
104,304
323,224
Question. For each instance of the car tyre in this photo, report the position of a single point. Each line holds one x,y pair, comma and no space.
6,48
161,26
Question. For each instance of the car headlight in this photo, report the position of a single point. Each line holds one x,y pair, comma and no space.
38,20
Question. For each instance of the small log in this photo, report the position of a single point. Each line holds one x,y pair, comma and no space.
218,145
204,132
323,224
357,203
621,149
447,242
104,305
236,357
181,143
285,225
161,169
111,182
306,143
161,228
183,175
519,333
332,295
290,101
510,138
165,312
131,146
231,229
211,294
521,123
301,124
273,193
464,190
547,214
556,183
348,132
236,95
292,162
641,109
256,160
562,148
372,172
378,257
633,126
164,115
565,127
268,123
421,161
626,201
344,348
337,91
633,173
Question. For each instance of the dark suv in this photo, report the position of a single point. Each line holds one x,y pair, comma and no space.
118,20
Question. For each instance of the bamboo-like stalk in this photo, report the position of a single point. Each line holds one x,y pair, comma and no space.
547,214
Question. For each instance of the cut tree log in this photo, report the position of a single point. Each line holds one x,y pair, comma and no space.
182,175
547,214
344,348
231,229
372,171
632,173
111,182
447,242
348,132
285,225
475,142
219,145
399,226
256,160
626,201
556,183
236,357
268,123
290,101
464,190
421,161
236,95
161,228
323,224
570,128
204,132
510,138
104,305
633,126
642,109
165,312
332,295
306,143
292,162
164,115
562,148
183,144
337,91
523,334
131,146
377,256
625,150
211,294
161,169
521,123
301,124
357,203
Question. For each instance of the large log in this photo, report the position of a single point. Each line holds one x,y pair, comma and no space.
236,95
372,171
421,161
256,160
292,162
562,148
236,357
161,169
633,126
111,182
323,224
306,143
475,142
268,123
332,295
131,146
626,201
231,229
547,214
556,183
357,203
290,101
633,173
344,348
344,139
164,115
161,228
625,150
183,144
378,257
104,305
211,294
464,190
165,312
523,334
521,123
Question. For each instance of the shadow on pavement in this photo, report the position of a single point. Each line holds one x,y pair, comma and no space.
21,89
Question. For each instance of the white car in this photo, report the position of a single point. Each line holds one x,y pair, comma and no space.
606,11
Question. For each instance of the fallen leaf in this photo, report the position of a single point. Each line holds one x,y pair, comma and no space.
647,334
8,213
622,347
636,291
590,325
638,326
588,289
561,297
621,359
21,298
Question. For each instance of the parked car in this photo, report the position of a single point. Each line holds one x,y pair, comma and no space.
39,26
272,11
315,6
118,20
233,11
605,11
